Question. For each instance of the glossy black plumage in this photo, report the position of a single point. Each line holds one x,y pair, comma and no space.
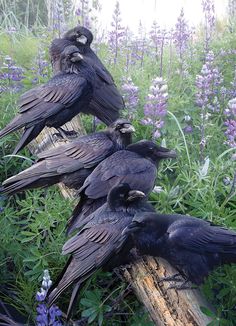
106,101
53,104
193,246
72,163
100,240
136,166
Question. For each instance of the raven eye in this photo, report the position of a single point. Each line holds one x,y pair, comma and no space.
118,126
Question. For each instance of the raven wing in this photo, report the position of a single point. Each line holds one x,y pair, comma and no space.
90,249
202,237
87,150
61,91
122,166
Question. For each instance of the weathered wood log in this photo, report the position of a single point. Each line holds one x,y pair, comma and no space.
166,307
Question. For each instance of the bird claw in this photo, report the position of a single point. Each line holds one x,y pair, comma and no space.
67,134
126,266
186,285
175,277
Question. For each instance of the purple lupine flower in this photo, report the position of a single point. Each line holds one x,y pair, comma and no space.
232,90
56,18
169,38
46,316
230,132
11,75
130,94
208,84
158,37
181,38
230,123
139,46
231,14
126,48
117,32
83,13
155,108
181,33
188,129
40,70
208,8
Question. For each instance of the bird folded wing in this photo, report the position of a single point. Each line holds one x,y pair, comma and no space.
205,238
87,151
62,89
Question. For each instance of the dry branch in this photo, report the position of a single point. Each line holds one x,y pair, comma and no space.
166,307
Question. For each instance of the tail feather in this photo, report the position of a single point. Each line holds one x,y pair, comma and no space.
73,300
28,135
14,125
17,186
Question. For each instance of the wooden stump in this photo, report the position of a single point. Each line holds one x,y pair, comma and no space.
165,307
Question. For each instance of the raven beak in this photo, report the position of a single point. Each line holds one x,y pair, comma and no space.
132,227
167,154
82,39
127,129
76,57
133,194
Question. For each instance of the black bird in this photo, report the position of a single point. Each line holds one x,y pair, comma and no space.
137,166
64,96
106,101
72,163
99,241
193,246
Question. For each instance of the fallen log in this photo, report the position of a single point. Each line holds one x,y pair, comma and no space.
165,306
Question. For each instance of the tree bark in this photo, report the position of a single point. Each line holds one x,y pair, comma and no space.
166,307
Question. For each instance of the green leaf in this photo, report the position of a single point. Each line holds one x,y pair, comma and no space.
88,312
207,311
92,317
100,318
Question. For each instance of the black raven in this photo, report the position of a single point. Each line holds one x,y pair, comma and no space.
65,95
137,166
106,101
72,163
100,240
193,246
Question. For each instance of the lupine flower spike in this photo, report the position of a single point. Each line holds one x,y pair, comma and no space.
46,316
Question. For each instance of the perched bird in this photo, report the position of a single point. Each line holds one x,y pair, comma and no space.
137,166
193,246
99,241
106,100
65,95
71,163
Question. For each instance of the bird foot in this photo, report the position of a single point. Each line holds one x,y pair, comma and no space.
175,277
67,134
186,285
126,266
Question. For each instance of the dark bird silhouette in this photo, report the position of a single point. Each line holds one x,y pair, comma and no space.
106,101
64,96
136,166
193,246
99,241
72,163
